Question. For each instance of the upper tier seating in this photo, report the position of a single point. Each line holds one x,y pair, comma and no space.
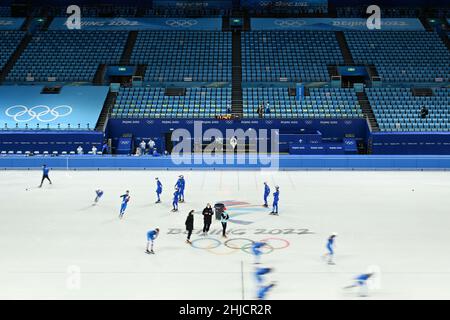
5,11
295,55
396,109
406,56
186,12
9,40
68,55
175,55
152,103
321,103
292,10
90,11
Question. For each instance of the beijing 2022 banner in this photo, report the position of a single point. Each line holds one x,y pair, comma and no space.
334,24
140,24
11,23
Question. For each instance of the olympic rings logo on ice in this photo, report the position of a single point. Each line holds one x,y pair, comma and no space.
234,245
290,23
39,113
181,23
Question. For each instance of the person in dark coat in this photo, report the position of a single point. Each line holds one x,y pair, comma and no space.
189,225
207,219
424,112
260,110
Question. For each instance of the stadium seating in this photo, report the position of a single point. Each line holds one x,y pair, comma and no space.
295,55
90,11
151,102
396,109
68,56
321,103
186,12
9,40
395,12
175,55
5,12
413,56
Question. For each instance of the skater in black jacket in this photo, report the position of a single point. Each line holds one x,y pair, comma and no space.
207,219
189,225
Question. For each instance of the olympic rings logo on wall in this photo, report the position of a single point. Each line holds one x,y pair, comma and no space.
290,23
42,113
234,245
181,23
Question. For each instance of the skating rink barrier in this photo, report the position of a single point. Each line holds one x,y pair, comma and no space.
196,162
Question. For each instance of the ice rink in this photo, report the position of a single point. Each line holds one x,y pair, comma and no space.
397,223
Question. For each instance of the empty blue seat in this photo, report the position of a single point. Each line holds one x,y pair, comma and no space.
269,56
149,102
321,103
179,55
68,56
396,109
402,56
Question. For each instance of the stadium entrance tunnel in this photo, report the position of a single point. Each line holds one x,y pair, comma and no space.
352,74
120,74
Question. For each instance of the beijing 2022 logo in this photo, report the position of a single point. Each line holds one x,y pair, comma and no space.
41,113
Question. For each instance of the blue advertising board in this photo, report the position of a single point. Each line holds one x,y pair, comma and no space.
142,24
11,23
49,140
432,143
144,129
288,139
27,107
124,146
323,148
334,24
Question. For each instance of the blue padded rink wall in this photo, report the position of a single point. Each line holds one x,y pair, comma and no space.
286,162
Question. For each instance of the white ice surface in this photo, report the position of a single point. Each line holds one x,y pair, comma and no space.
380,221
